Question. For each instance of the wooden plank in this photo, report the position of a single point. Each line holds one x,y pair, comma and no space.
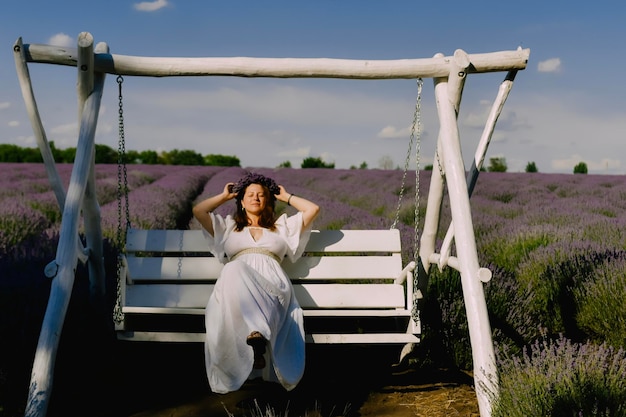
163,310
320,241
317,338
307,312
311,267
173,269
350,296
166,241
178,337
309,295
345,267
385,240
362,338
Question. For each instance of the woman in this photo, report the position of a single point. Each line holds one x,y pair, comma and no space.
254,325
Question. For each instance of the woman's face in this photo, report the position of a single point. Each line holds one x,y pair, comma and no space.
254,199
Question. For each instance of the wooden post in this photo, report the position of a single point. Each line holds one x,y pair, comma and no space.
485,375
435,195
23,75
66,259
91,208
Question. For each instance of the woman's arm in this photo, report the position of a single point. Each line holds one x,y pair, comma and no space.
202,209
309,209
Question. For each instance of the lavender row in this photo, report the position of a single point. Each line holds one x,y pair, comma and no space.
31,217
162,204
533,230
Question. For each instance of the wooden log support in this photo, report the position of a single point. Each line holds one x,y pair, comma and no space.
66,259
91,207
485,375
280,67
42,142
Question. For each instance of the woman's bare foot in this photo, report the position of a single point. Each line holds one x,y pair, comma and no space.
258,343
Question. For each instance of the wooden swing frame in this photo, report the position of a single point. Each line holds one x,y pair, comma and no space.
449,74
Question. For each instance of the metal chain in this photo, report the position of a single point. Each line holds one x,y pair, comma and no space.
416,130
180,255
417,123
122,190
407,161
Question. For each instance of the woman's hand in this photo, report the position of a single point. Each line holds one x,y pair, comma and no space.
202,210
228,191
283,195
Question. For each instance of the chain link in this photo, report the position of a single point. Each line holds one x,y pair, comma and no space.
122,191
412,139
417,123
180,255
416,131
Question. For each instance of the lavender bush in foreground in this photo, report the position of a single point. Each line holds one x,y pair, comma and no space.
561,378
18,223
601,302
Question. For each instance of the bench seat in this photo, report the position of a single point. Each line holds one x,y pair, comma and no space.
350,284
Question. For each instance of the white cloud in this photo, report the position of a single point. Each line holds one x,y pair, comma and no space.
4,105
151,6
567,164
328,157
61,39
25,141
13,123
64,135
388,132
594,166
550,65
69,128
296,153
606,164
507,120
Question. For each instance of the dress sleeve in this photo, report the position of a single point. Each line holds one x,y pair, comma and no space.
222,227
297,237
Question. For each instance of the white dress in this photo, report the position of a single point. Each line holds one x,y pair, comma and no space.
253,293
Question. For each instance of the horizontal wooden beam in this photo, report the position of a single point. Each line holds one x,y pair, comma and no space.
317,338
438,66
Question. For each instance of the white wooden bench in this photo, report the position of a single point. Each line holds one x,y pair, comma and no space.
350,284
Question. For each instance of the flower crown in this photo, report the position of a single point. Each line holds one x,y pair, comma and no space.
254,178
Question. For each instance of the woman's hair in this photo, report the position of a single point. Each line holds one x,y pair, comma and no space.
266,219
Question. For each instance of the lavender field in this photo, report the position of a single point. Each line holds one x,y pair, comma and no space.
556,244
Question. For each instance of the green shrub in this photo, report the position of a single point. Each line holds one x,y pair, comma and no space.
509,251
600,303
508,305
561,378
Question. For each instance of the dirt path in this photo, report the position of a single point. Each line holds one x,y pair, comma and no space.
422,399
335,384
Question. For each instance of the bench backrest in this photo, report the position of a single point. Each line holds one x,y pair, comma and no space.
177,266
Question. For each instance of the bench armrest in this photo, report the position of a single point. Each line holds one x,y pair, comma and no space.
405,272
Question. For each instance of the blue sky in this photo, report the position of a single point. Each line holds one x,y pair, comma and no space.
567,106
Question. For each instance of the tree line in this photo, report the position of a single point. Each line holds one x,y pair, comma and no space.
107,155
